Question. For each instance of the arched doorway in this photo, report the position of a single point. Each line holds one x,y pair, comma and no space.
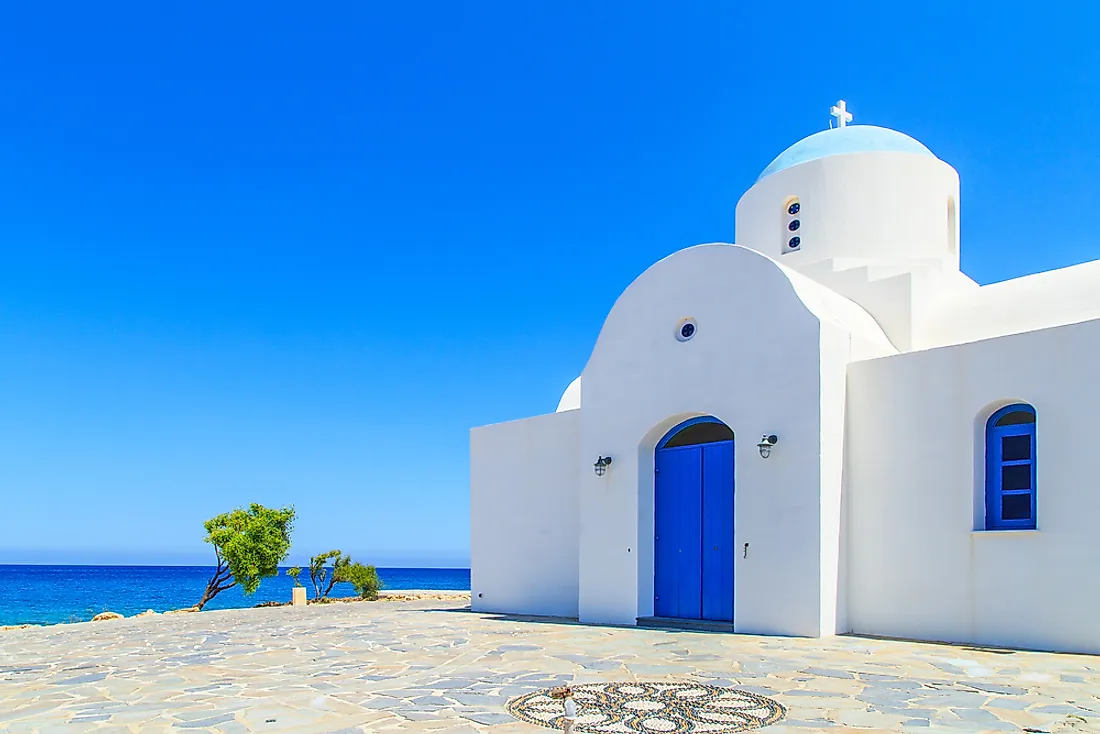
693,522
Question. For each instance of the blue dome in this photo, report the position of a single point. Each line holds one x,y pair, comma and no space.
841,140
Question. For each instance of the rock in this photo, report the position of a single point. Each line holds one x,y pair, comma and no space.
17,627
188,610
423,596
146,613
389,596
104,616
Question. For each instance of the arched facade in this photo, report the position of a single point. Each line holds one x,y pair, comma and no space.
741,302
890,379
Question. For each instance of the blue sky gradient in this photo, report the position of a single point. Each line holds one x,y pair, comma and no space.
290,254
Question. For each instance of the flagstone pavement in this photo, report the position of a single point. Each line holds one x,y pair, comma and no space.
435,666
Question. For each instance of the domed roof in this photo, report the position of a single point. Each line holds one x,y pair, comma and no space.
841,140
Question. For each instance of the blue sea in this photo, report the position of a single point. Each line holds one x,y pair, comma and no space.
53,594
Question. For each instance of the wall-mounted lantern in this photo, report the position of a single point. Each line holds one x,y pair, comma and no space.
601,465
766,443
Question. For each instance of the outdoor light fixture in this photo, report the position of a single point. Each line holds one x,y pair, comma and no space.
601,465
766,443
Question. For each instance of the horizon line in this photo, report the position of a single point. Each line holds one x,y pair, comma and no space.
199,565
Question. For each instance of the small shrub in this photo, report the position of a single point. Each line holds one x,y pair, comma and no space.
319,572
294,573
363,578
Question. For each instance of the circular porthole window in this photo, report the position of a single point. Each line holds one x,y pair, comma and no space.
686,329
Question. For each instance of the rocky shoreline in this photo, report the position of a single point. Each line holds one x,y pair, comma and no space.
383,596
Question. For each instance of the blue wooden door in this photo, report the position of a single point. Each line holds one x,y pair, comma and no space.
693,539
678,501
718,531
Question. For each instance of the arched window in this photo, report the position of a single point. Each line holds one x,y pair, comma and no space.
704,429
1010,469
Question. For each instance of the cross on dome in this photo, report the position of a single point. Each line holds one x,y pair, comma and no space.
841,113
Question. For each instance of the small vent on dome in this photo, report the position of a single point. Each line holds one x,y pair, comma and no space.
952,227
792,225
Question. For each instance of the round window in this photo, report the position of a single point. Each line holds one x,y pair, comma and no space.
794,208
794,242
686,330
794,225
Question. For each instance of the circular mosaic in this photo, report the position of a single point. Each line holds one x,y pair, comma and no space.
652,708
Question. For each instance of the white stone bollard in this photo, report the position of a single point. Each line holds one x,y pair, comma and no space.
299,597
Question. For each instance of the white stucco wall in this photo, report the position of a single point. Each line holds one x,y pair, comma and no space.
889,207
523,516
571,398
756,363
879,228
919,564
1052,298
882,230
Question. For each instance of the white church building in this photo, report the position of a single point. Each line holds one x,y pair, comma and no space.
824,428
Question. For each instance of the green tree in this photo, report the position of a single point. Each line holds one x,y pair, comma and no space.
319,571
294,573
363,578
249,545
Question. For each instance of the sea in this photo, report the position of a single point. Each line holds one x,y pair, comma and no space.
57,594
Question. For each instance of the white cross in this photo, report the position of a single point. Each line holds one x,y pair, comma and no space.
841,113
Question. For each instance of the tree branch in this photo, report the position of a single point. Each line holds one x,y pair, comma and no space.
221,575
217,584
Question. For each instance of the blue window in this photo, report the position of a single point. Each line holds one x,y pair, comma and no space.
1010,469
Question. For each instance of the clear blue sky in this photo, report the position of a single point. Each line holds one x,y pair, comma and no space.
287,253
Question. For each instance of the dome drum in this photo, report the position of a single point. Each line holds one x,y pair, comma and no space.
858,192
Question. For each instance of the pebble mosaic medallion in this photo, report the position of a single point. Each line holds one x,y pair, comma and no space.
652,708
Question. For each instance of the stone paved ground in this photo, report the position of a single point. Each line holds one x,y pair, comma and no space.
420,666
